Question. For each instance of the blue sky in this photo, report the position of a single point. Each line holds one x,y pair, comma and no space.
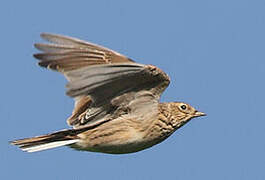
214,52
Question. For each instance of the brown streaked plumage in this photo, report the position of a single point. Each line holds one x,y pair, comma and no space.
117,108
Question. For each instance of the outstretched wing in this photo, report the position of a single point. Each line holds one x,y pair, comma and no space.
65,53
104,83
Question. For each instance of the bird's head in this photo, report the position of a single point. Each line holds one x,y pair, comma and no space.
182,113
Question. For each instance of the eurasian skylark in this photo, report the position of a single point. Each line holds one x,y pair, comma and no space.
117,108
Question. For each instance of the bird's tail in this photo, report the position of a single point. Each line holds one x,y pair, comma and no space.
53,140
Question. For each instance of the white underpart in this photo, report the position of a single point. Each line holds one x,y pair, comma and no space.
49,145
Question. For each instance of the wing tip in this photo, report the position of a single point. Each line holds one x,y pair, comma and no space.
46,36
38,56
38,46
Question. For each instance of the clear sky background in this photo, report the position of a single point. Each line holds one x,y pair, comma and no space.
214,52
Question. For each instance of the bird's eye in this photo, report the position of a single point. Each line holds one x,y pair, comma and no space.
183,107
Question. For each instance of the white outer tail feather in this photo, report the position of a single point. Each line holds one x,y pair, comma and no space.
50,145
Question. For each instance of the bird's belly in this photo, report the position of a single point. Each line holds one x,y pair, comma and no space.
117,147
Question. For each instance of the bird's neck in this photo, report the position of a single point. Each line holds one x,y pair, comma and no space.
167,117
164,125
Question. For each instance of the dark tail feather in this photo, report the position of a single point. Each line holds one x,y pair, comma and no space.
56,139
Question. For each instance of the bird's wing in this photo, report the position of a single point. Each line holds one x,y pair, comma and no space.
64,53
113,88
102,88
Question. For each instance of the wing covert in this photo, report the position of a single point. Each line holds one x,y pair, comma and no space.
104,82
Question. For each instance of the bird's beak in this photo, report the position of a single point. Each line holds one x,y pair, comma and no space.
198,114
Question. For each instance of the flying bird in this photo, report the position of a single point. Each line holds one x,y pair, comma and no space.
117,101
